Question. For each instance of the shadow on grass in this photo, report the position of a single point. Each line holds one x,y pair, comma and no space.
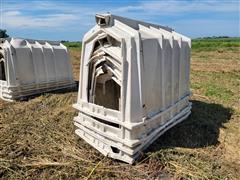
200,129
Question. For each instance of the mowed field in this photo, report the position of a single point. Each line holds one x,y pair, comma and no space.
37,139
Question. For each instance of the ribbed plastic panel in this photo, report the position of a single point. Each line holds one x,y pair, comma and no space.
30,67
134,85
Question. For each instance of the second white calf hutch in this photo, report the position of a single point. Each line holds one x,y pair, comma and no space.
134,85
30,67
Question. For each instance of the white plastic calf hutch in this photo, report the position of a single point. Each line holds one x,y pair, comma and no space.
134,85
30,67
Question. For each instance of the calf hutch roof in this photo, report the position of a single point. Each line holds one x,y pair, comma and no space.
29,67
134,85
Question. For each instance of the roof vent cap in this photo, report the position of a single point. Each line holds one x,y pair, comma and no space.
102,19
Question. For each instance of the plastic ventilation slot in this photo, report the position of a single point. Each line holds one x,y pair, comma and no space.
102,20
106,122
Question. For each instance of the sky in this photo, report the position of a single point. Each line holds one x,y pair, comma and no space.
70,19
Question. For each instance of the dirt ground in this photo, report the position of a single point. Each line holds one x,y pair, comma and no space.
37,139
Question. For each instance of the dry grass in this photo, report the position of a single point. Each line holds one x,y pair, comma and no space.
75,58
37,139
